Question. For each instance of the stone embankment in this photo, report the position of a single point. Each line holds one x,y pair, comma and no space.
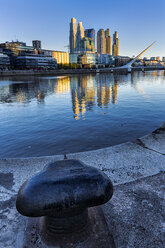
133,218
61,72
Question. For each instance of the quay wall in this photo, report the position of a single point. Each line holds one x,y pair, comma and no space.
60,72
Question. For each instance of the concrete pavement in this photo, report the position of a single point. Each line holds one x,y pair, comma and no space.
134,217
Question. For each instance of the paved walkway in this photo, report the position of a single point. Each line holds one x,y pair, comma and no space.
135,216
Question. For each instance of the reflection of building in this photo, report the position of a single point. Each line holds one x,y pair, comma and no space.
83,95
103,90
103,95
63,85
86,91
115,91
40,96
115,44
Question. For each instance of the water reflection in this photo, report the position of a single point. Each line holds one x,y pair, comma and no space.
87,91
56,115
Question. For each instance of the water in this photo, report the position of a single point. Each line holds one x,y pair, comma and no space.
58,115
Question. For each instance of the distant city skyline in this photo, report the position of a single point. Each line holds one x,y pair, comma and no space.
138,23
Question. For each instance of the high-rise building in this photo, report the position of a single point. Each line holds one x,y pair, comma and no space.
72,36
101,42
90,33
79,36
87,45
115,44
108,42
36,44
80,40
90,36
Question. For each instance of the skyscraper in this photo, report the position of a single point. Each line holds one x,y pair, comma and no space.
108,42
90,34
101,42
115,44
72,36
79,36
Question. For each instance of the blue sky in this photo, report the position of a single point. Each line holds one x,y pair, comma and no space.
138,22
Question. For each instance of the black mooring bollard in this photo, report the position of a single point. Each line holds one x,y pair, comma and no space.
63,192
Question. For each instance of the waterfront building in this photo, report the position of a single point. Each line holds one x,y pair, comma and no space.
36,44
73,58
106,59
145,58
115,46
101,42
153,58
83,59
4,61
16,48
72,35
121,60
87,59
79,37
35,62
29,54
61,57
44,52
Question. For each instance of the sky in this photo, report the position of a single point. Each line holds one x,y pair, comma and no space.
138,22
